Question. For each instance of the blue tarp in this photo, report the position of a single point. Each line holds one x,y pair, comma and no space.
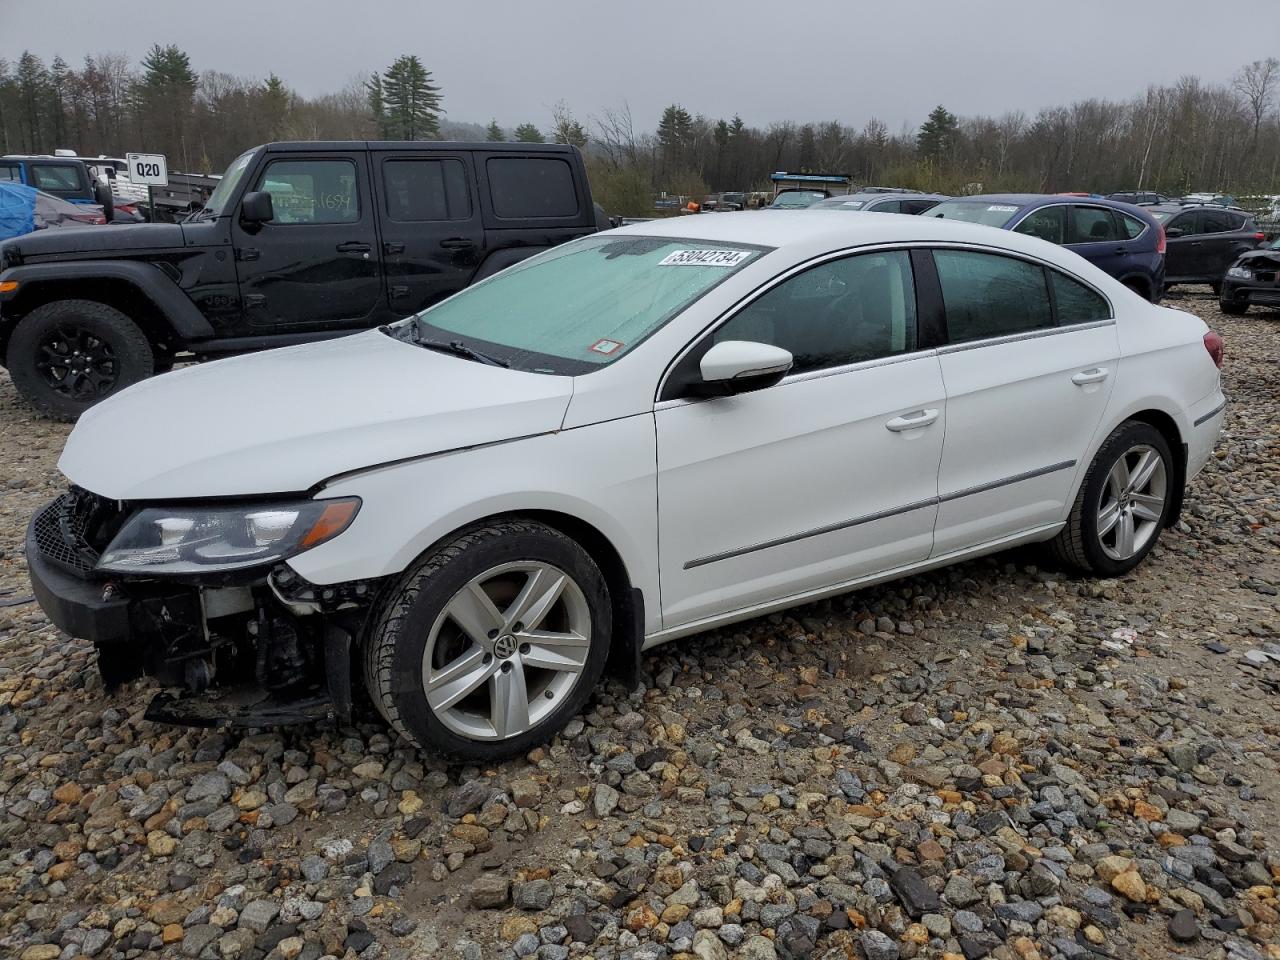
17,210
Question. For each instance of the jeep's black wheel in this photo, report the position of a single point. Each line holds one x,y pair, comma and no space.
67,355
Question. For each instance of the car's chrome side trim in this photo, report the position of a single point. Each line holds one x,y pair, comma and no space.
1027,335
818,593
816,532
1211,414
880,515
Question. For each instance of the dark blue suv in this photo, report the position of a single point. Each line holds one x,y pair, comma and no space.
1119,238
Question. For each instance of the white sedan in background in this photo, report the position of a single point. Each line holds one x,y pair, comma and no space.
631,438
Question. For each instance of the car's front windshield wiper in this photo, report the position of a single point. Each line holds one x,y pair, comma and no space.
455,347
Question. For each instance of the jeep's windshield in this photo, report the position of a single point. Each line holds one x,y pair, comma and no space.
582,305
219,201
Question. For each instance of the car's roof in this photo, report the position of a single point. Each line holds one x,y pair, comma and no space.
884,195
830,228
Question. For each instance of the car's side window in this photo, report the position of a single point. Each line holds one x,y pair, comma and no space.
845,311
1047,223
426,190
1076,303
531,187
888,206
312,191
1132,226
10,171
1215,221
1188,223
54,177
1093,225
988,295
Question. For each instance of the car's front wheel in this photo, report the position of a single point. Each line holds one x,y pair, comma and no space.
491,643
1233,308
1122,505
67,355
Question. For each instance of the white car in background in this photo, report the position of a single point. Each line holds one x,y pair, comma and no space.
631,438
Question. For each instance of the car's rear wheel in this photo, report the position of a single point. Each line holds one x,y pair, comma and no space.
68,355
1233,308
492,643
1122,505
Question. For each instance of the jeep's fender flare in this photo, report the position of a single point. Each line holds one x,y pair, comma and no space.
501,259
175,306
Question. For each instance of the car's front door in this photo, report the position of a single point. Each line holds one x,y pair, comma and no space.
825,477
315,265
1097,235
432,237
1028,368
1184,256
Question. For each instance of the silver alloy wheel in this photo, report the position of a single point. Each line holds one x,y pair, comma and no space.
506,650
1132,502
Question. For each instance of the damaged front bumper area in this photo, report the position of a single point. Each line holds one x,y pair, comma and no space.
256,647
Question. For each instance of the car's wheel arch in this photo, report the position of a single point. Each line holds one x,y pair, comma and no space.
1162,417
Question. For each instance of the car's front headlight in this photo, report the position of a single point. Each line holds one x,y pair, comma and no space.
1240,273
215,538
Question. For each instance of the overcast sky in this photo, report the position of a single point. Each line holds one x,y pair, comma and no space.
798,60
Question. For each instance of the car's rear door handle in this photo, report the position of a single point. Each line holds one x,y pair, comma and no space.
458,243
354,246
1092,375
912,421
393,247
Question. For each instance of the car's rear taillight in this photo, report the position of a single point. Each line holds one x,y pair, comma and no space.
1259,236
1160,240
1214,344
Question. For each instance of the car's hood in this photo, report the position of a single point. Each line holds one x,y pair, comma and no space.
1255,257
284,420
118,239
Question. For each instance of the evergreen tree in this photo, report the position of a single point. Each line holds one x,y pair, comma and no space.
566,128
528,133
494,133
165,95
937,135
32,81
412,101
377,104
275,105
675,131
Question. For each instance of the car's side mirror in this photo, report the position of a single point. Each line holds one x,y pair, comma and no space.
256,207
738,366
1172,232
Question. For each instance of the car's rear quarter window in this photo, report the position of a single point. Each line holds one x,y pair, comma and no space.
531,188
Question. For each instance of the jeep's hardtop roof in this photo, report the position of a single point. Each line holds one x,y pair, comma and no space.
300,146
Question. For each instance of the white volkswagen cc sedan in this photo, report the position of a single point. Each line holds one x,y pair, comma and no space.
622,441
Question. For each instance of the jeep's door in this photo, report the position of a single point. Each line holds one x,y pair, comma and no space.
432,237
315,265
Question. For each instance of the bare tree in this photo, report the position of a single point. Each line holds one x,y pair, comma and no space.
1256,82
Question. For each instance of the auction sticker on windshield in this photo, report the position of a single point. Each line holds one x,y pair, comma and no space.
705,258
606,346
1002,208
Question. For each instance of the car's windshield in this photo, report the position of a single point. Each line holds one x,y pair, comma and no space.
798,198
993,213
220,199
841,203
582,305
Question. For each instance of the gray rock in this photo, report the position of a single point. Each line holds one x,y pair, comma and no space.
258,915
534,895
877,946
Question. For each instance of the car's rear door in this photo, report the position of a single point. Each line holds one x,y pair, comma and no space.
1217,241
1028,368
825,477
432,235
1096,234
315,266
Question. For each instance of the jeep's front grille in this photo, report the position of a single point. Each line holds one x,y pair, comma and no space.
72,530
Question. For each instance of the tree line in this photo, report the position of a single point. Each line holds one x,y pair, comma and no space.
1175,138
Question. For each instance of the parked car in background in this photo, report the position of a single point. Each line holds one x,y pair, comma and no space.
1203,241
796,199
300,241
51,211
1253,280
1217,199
1140,198
1120,239
882,201
24,210
470,512
66,178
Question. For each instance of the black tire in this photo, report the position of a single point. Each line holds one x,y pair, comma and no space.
1078,544
1216,287
1232,308
397,643
55,329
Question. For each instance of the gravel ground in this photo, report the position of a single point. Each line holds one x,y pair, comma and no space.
992,760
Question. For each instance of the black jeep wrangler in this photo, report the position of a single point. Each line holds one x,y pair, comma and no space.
298,242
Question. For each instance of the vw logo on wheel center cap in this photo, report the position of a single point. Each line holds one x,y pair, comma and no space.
504,646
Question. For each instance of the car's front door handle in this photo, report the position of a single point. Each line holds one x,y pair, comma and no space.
912,421
458,243
353,246
1092,375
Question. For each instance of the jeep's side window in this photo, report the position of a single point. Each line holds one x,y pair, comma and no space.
426,190
312,191
10,171
531,187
